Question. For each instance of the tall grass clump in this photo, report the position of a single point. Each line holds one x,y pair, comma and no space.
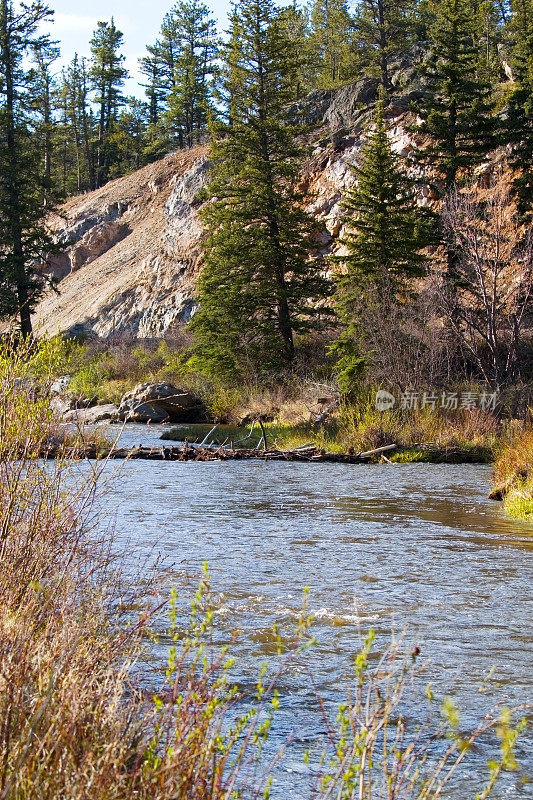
513,474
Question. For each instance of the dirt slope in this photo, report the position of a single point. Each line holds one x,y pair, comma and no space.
133,252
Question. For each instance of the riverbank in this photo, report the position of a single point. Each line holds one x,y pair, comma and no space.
295,410
513,475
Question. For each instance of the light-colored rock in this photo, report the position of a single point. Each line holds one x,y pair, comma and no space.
96,242
160,402
90,416
60,385
142,281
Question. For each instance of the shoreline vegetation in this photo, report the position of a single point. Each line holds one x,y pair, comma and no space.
299,411
74,636
513,476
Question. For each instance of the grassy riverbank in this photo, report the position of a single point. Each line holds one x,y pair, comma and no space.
85,711
513,475
419,437
297,409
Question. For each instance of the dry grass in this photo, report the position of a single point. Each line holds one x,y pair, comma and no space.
74,723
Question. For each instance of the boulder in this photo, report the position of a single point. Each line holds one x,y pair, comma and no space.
90,416
160,402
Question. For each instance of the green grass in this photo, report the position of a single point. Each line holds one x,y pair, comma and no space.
513,474
518,501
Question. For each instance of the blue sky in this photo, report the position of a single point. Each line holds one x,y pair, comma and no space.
138,21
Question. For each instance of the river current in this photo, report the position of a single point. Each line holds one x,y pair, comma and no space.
416,548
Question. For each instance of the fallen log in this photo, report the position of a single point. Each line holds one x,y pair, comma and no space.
189,452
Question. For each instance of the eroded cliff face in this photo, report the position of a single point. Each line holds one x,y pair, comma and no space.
134,246
133,253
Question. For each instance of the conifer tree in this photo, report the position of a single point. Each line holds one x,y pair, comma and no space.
43,92
386,233
156,87
296,25
108,74
384,28
457,111
78,124
197,48
519,121
258,286
331,39
24,240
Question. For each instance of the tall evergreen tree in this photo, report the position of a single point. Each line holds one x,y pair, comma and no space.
331,39
386,234
457,111
190,96
78,126
156,87
258,286
519,122
43,91
384,28
24,240
296,25
108,74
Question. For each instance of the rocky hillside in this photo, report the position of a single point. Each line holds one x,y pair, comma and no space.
134,246
132,252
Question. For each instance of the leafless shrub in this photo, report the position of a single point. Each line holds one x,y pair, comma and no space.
490,303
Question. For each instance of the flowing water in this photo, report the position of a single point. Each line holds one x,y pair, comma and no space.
414,547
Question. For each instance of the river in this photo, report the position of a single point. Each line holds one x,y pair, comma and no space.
413,547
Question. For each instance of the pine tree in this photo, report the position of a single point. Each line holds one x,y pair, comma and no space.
24,240
43,92
519,121
156,88
78,128
386,233
384,29
190,96
108,74
331,39
258,286
127,142
296,25
457,111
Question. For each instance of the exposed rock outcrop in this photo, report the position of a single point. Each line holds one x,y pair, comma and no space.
132,253
90,416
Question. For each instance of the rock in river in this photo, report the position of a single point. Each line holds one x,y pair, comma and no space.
160,402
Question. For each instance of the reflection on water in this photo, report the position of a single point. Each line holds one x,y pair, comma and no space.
416,546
